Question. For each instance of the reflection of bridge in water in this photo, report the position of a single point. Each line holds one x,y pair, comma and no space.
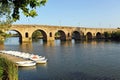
66,33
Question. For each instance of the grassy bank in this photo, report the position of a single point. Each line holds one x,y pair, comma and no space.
8,69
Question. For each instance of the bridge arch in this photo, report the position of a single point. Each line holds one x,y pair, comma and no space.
18,34
98,35
50,34
66,32
61,35
76,35
89,35
43,34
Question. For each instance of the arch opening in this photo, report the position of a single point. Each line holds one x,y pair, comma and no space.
89,35
26,35
68,35
39,34
14,34
50,34
60,35
98,35
76,35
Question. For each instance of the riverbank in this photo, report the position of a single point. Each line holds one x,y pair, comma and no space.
14,59
8,69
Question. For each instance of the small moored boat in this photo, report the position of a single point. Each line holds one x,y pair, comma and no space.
43,61
26,63
38,59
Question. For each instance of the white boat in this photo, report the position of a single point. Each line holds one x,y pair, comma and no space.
38,59
26,56
26,63
41,61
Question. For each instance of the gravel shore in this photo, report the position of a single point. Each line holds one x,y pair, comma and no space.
13,58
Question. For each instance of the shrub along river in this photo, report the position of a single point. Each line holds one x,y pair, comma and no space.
70,60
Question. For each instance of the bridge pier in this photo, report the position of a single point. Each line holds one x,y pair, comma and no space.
50,38
62,39
24,39
27,40
68,38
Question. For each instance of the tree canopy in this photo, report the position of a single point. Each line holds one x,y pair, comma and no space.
11,8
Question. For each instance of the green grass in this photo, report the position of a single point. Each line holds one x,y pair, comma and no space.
8,69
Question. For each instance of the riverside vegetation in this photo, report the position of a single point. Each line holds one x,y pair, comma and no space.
4,26
114,36
8,69
10,12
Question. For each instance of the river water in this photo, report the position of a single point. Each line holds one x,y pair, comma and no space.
70,60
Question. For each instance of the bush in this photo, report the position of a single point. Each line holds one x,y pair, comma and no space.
116,36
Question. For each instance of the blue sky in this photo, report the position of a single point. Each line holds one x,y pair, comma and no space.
78,13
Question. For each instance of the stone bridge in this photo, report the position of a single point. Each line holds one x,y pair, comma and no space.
66,32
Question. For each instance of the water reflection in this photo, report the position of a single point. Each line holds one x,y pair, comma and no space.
49,43
66,43
43,65
56,43
26,47
71,60
28,68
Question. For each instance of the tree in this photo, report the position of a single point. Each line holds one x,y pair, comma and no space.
107,35
11,8
116,36
10,11
4,26
37,34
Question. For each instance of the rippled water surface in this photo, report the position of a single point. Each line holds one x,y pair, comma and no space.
94,60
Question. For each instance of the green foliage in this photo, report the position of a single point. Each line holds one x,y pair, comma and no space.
4,26
8,70
37,34
1,73
57,34
3,35
33,13
106,35
116,36
13,7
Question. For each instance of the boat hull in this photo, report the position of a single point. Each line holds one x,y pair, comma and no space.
41,61
26,63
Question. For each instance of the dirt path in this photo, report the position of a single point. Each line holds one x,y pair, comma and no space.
13,58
